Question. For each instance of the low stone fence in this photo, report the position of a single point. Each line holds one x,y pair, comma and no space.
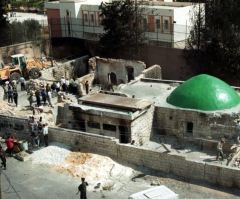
164,162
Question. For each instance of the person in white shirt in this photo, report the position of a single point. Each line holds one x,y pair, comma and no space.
58,86
62,80
45,134
49,98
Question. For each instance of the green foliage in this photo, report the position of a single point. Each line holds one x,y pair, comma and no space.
3,24
29,30
219,39
123,33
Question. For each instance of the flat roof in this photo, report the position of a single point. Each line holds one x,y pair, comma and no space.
157,92
114,101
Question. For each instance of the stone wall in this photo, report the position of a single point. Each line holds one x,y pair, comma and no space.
70,69
165,162
154,72
205,125
29,49
118,67
15,126
141,127
73,68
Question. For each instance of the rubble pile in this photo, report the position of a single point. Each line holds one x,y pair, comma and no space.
7,109
95,168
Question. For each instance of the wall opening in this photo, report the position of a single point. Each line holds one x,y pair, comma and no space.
109,127
82,125
113,78
130,73
94,125
189,128
124,135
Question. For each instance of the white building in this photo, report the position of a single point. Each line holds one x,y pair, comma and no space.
166,23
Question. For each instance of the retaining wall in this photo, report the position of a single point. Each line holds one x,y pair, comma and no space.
164,162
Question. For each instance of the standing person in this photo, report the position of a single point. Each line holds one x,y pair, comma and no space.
82,188
23,83
67,85
37,94
87,87
35,135
62,80
30,98
48,88
58,86
3,157
44,96
10,93
53,88
220,149
45,134
15,96
49,98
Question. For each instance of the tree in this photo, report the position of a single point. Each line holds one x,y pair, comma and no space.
123,36
28,30
219,46
3,24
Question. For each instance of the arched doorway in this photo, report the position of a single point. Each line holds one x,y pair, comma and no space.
113,78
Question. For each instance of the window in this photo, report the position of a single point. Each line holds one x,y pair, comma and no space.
93,125
189,127
145,24
86,18
92,18
158,23
109,127
166,25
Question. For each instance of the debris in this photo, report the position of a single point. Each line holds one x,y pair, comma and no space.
95,168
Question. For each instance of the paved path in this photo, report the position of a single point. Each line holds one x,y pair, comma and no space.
24,180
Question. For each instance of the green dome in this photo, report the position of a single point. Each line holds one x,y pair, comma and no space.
204,92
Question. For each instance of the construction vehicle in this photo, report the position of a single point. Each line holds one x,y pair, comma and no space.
20,66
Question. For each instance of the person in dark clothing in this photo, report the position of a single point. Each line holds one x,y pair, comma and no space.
82,188
45,134
87,87
48,88
3,157
64,87
44,96
30,98
15,97
37,94
10,94
220,149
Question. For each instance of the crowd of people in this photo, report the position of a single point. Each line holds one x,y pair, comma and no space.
38,131
10,92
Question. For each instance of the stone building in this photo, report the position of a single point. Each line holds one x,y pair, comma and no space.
115,71
202,107
124,118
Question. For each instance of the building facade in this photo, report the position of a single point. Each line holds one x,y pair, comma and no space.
165,23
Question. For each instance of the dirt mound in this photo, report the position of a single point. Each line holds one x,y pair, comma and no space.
77,158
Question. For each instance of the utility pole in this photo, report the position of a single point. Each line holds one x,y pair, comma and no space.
0,183
136,27
50,41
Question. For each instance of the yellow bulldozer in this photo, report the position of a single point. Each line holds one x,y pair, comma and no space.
20,66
